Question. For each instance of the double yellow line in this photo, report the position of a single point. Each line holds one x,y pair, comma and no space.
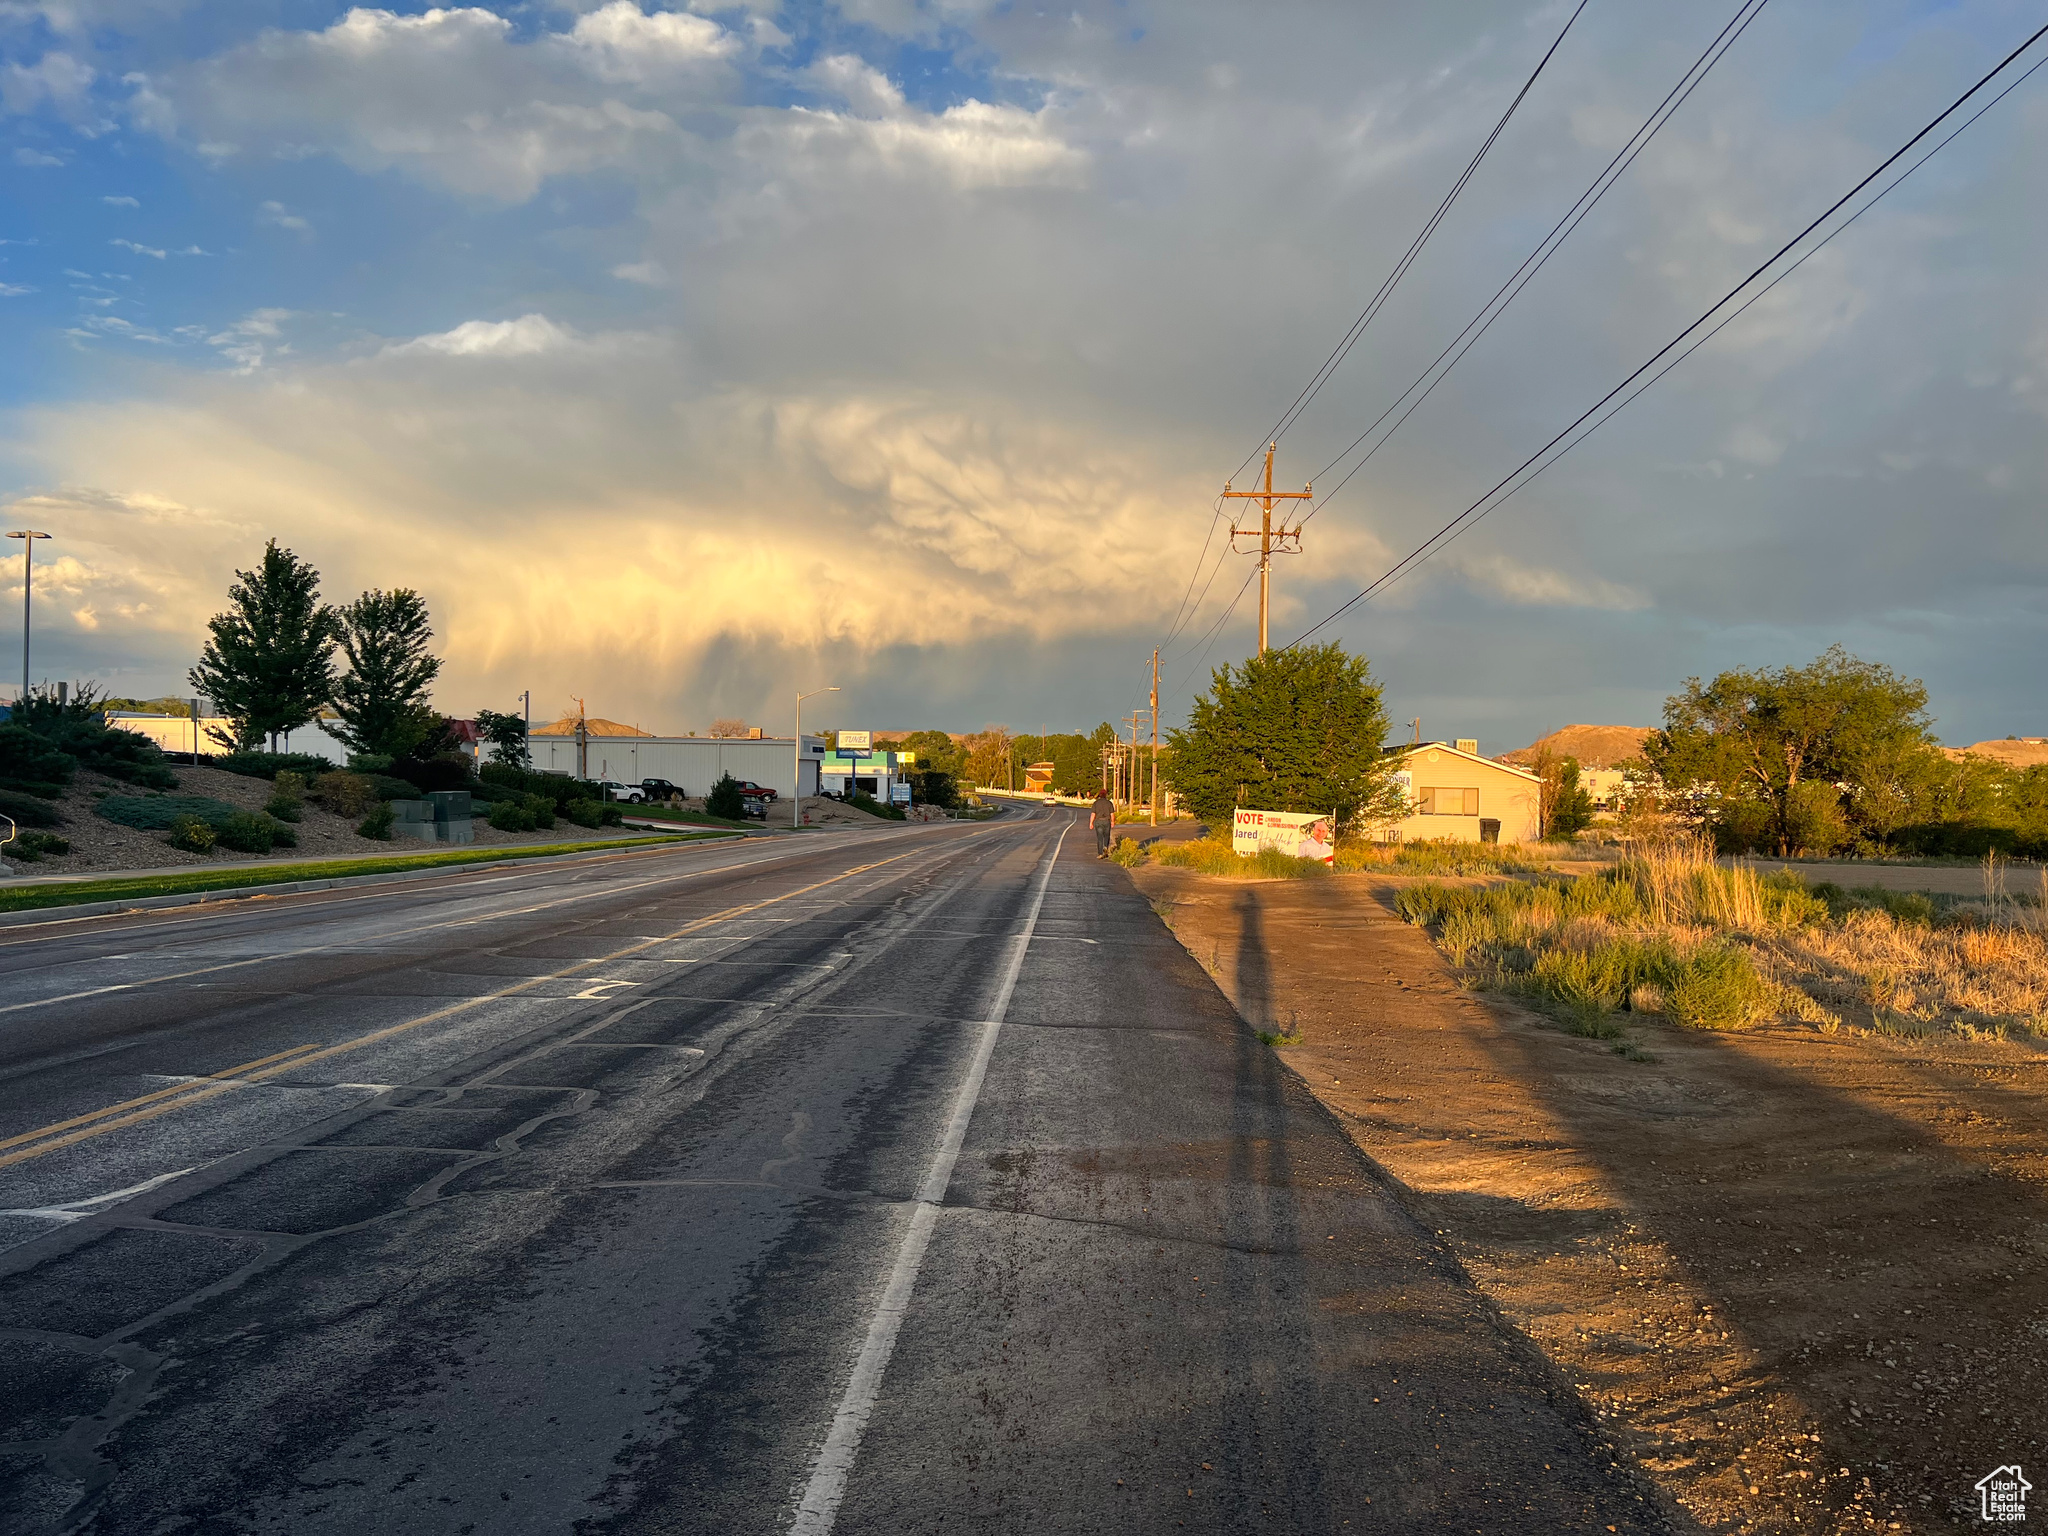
66,1133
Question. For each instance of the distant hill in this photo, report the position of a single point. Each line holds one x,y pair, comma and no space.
2013,751
1595,746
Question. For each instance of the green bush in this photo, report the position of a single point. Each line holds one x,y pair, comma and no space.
30,847
1127,851
288,801
345,794
192,833
157,813
369,762
511,816
247,832
541,808
28,810
378,823
874,807
1717,989
29,764
558,789
724,800
585,813
268,765
77,728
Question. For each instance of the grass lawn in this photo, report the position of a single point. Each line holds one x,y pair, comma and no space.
131,887
684,818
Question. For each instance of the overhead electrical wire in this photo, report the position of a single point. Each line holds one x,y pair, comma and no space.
1520,475
1184,615
1743,308
1373,306
1213,631
1547,247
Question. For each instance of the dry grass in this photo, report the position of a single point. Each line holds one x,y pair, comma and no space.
1670,931
1439,857
1213,855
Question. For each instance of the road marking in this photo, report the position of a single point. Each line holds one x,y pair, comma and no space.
820,1506
243,1077
182,1086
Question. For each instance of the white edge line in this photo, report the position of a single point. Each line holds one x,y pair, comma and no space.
820,1506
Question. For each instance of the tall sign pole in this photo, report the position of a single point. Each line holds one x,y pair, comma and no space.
28,537
1286,540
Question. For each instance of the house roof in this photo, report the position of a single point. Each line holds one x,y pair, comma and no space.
596,725
1409,749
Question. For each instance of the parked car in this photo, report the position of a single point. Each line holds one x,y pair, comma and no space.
752,791
661,790
632,794
756,807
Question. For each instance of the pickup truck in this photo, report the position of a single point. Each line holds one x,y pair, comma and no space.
752,791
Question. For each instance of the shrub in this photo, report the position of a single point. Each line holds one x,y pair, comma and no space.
378,823
585,813
434,773
27,810
1438,857
288,801
29,847
1717,989
1127,851
268,765
541,809
77,728
369,762
874,807
345,794
245,832
724,799
31,765
511,816
156,813
192,833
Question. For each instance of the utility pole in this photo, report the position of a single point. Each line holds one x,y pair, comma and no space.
1155,736
1270,538
526,703
28,537
582,741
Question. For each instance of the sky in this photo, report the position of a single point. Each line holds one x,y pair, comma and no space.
683,358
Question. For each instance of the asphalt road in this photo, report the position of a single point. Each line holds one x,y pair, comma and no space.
883,1182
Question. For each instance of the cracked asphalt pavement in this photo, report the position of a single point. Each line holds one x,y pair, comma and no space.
892,1181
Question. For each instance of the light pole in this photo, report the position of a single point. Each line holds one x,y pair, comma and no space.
28,537
796,794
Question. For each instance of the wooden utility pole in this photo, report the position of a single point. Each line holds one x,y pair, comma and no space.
1155,736
1270,538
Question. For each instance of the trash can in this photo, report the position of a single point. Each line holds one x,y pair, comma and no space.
1489,829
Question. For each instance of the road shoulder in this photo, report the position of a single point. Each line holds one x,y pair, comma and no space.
1786,1269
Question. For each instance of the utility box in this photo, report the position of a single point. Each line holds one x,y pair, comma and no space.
453,816
412,818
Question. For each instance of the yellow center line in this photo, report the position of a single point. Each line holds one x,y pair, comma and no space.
214,1088
188,1086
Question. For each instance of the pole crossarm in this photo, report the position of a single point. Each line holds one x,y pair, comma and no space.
1283,539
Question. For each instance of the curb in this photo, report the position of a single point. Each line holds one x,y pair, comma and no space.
84,909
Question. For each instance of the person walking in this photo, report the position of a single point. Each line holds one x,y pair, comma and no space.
1102,817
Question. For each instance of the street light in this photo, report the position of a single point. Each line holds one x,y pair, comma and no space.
796,797
28,537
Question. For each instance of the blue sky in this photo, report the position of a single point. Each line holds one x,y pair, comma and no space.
681,357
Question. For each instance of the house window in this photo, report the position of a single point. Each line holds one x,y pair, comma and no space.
1450,802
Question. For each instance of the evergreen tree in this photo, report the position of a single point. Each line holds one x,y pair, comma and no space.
382,701
1293,730
267,665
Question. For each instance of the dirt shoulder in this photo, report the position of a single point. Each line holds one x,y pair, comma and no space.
1799,1275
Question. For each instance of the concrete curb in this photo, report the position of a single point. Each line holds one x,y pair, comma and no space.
84,909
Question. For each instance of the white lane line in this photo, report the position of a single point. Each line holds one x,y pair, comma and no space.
820,1506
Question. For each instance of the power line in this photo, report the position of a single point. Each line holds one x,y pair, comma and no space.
1545,248
1480,507
1214,630
1373,306
1744,307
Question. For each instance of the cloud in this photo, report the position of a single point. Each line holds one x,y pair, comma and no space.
13,290
251,340
620,42
36,158
281,217
528,336
121,202
57,82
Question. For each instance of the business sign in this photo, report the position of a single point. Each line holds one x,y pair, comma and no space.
899,794
1302,835
864,740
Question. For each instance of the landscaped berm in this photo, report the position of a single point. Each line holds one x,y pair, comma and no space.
1756,1164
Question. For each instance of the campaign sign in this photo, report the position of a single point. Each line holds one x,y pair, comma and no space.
1300,834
